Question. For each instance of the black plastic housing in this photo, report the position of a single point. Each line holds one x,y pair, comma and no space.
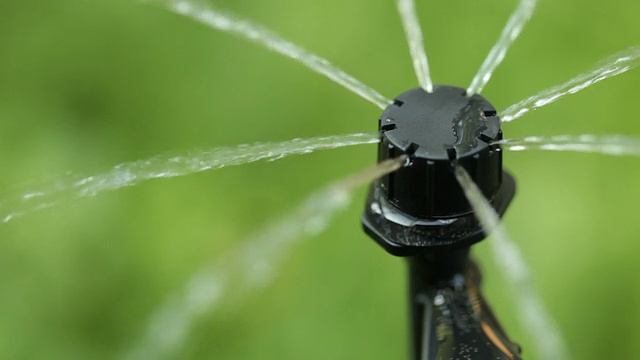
436,129
450,319
421,206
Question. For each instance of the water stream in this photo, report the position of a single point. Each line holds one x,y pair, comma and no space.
612,66
531,310
234,25
255,261
250,266
510,33
70,187
617,145
409,17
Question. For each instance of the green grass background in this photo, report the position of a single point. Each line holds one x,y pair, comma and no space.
86,84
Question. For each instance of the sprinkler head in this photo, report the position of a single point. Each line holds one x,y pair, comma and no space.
421,206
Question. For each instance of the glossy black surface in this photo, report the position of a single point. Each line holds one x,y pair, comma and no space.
450,320
435,129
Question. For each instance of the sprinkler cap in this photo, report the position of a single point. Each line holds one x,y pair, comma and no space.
435,130
421,206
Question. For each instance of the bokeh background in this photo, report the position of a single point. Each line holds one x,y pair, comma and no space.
85,85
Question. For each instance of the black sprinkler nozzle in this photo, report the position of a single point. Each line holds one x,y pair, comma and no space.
421,206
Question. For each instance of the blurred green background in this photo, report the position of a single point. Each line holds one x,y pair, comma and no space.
85,85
